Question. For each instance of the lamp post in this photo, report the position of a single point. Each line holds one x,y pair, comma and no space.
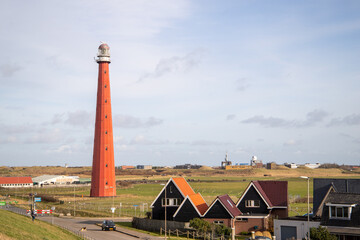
74,200
165,209
308,203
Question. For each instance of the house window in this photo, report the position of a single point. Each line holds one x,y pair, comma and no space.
242,219
218,222
171,202
252,203
171,189
339,212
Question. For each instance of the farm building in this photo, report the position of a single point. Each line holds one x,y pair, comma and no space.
222,211
261,201
13,182
178,195
54,180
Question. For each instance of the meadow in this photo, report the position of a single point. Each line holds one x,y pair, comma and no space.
138,189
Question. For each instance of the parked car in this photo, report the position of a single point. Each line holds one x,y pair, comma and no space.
108,225
259,238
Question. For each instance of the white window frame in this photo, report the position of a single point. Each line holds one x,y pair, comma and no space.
218,222
251,203
333,211
171,202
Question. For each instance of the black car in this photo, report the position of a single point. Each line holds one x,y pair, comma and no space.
108,225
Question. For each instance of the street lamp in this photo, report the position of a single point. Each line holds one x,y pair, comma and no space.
74,200
165,208
308,203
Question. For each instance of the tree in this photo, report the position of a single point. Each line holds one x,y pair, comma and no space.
321,233
200,225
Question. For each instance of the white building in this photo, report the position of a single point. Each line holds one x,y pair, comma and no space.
293,228
312,165
291,165
54,180
13,182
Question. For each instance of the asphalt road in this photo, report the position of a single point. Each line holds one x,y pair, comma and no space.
93,231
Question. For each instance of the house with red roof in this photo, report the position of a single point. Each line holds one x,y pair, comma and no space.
181,202
193,206
13,182
222,210
261,202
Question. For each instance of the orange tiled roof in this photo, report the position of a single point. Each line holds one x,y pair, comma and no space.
183,186
199,202
13,180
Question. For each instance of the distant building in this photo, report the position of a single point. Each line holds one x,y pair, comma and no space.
144,167
312,165
13,182
187,166
256,163
226,162
54,180
271,165
127,167
238,166
291,165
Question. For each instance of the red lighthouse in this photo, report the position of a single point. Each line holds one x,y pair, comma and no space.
103,168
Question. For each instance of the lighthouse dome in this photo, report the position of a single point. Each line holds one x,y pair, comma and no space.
104,46
103,53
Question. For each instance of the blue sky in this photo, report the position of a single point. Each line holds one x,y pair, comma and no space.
190,81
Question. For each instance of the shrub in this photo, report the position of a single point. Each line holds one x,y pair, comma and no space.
200,225
321,233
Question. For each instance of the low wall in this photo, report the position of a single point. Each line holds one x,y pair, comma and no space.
154,225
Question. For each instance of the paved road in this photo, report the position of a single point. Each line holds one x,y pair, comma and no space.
93,231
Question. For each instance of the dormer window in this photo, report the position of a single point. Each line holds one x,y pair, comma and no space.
340,211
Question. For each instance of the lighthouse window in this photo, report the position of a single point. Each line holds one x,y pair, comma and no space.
106,183
106,165
105,85
105,71
105,116
105,132
105,100
106,148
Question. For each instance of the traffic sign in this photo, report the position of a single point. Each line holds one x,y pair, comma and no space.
2,203
37,199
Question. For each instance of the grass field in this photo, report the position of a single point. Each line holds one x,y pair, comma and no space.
14,226
135,198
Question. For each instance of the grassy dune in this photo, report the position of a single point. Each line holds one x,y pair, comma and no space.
14,226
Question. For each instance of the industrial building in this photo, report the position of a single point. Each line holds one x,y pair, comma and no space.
14,182
145,167
54,180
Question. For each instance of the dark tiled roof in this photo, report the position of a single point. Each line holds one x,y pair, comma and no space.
229,205
274,192
321,187
345,199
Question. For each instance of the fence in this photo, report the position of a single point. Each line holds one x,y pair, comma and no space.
193,234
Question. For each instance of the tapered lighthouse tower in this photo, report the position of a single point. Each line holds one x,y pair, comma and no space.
103,168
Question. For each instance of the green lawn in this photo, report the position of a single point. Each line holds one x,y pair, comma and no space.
14,226
137,197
